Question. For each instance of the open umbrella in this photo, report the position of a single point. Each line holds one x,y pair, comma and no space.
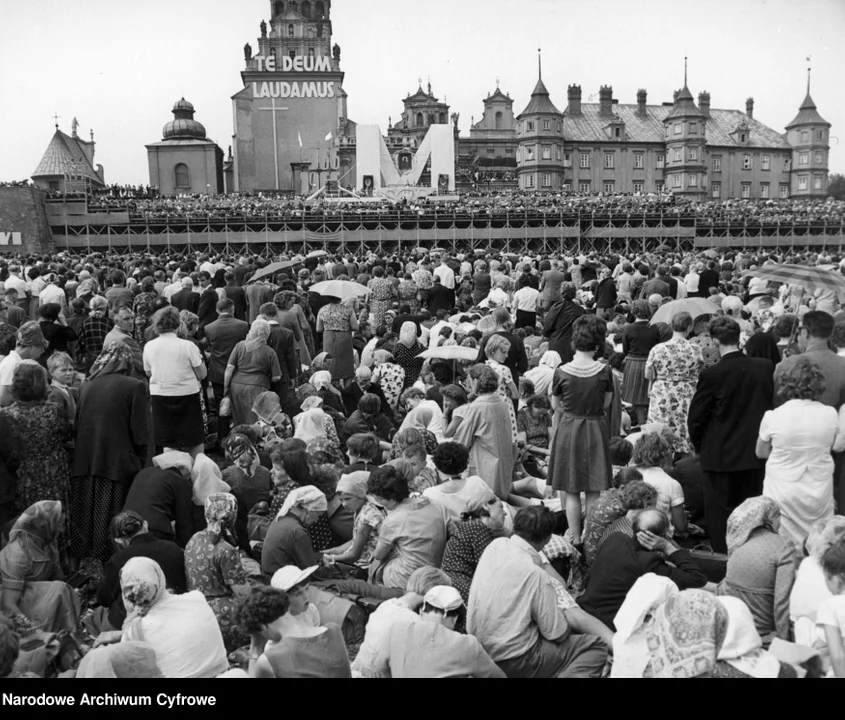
712,254
318,254
694,306
810,278
272,269
451,352
340,289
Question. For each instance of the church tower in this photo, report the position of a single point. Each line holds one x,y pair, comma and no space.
291,117
684,131
809,137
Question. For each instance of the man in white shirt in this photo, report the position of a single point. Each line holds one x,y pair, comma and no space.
30,346
445,273
52,293
14,281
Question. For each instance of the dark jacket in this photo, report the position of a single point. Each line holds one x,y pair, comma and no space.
380,426
168,555
223,334
112,428
606,293
186,300
620,562
282,342
517,359
162,498
440,298
707,279
288,542
558,328
238,296
207,312
726,412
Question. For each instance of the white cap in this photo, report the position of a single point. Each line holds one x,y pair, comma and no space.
444,598
291,576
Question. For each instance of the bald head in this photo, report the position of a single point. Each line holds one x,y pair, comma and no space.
653,521
363,374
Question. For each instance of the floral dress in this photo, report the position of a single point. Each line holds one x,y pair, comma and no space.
676,365
605,511
371,515
536,429
382,294
709,351
408,292
214,569
144,309
391,379
505,378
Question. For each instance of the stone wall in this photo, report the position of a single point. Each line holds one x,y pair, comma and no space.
23,222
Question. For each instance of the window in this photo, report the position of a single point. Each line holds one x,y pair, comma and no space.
787,164
54,184
819,134
746,190
676,181
584,187
661,160
639,187
692,180
567,187
617,132
742,138
608,188
677,157
717,164
804,158
420,121
529,126
819,159
693,153
530,181
547,152
677,128
802,183
567,160
585,160
746,162
608,160
764,190
817,183
638,160
559,126
659,186
693,128
529,152
547,124
784,191
765,162
559,154
805,136
499,121
547,180
290,30
716,190
183,176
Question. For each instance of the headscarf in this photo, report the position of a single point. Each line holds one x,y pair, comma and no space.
267,407
551,359
823,534
207,480
742,647
419,418
258,335
354,484
309,498
321,379
174,461
221,511
243,452
317,362
38,525
86,287
478,501
126,659
408,334
116,359
310,424
630,648
143,585
686,635
315,402
754,513
732,306
763,345
543,375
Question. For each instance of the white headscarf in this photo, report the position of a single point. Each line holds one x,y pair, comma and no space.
743,648
174,460
543,375
309,498
310,425
207,479
322,379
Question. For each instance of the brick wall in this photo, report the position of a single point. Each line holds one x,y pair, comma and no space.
23,222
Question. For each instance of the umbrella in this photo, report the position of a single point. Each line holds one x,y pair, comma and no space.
712,254
663,248
810,278
272,269
318,254
694,306
437,251
450,352
340,289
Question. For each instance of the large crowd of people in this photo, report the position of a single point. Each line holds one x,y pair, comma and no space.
428,465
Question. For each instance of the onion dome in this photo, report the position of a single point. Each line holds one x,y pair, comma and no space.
183,125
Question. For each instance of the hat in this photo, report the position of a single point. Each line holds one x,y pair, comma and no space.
291,576
30,335
444,598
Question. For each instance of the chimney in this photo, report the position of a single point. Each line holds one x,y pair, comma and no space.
606,101
642,97
574,97
704,102
749,108
675,97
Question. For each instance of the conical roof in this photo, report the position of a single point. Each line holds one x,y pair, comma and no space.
684,106
540,101
807,114
64,156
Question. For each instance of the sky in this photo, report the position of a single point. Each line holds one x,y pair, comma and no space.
118,66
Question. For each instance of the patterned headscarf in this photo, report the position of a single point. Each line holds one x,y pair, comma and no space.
686,636
206,479
30,335
39,523
86,287
308,498
267,407
221,511
321,379
258,335
116,359
143,585
310,424
243,452
757,512
743,647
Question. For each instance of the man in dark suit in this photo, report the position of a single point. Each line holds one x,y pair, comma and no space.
517,359
709,278
440,297
282,342
724,422
207,312
237,295
222,335
359,386
186,298
14,315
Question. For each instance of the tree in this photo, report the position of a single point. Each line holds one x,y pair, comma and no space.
836,186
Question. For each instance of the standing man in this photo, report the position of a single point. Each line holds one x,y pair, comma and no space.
257,294
207,312
282,342
606,295
440,297
724,423
118,294
238,296
445,273
14,282
550,286
122,332
222,335
186,298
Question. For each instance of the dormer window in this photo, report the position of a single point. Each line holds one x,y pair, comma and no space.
742,137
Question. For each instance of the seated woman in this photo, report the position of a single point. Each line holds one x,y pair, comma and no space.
288,541
423,414
369,418
182,629
206,480
355,556
132,537
412,437
296,583
213,566
249,481
534,430
372,659
761,566
32,579
605,511
454,491
273,425
455,405
315,428
327,392
299,651
10,649
389,377
652,453
636,496
413,534
423,475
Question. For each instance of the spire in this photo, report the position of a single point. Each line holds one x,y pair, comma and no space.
540,62
809,70
685,71
56,119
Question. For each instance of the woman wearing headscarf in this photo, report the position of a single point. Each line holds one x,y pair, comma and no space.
543,375
288,541
407,353
741,654
291,316
253,368
424,416
761,566
250,482
125,660
144,308
273,425
389,376
330,395
181,629
206,480
113,436
213,566
701,338
337,321
312,427
32,578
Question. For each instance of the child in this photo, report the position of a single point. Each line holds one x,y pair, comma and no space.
61,391
831,614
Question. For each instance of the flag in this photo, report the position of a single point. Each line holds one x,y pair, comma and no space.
299,135
328,137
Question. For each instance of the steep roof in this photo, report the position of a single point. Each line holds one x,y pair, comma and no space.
685,106
64,155
540,102
498,96
807,114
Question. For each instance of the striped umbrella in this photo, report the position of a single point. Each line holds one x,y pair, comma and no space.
810,278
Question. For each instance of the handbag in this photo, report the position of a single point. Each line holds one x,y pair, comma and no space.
714,565
225,410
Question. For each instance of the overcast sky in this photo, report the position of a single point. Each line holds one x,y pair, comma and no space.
119,66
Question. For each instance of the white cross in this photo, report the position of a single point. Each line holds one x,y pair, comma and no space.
274,110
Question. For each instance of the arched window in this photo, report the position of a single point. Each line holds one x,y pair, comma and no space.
319,10
183,177
442,118
273,55
290,30
280,8
420,120
431,118
499,120
306,10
